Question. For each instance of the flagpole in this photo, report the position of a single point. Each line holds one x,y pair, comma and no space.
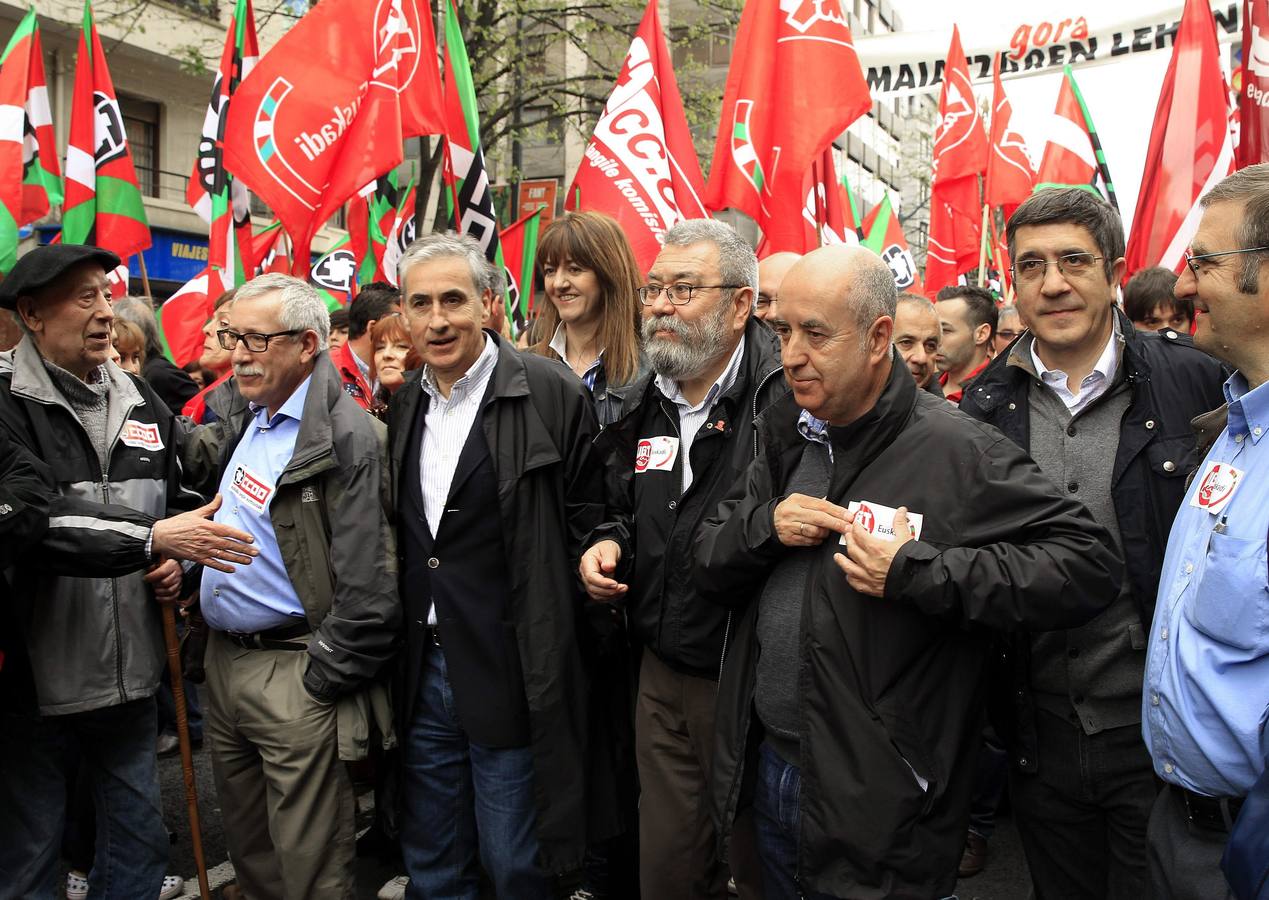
145,277
982,249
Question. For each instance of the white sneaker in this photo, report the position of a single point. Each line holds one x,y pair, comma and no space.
173,886
76,886
394,889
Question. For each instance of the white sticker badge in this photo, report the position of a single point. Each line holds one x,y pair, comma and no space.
141,434
879,520
1216,486
656,454
251,489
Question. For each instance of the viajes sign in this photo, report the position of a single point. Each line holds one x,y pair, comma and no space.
907,63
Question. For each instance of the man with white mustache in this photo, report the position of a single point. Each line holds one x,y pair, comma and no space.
684,438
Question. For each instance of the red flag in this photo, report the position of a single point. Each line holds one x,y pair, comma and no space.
960,155
824,217
320,114
183,315
1010,175
519,250
793,86
1191,148
269,250
400,235
1253,134
640,165
884,236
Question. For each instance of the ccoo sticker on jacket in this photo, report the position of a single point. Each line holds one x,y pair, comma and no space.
141,434
251,489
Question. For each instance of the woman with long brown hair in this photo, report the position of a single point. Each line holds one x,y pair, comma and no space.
591,317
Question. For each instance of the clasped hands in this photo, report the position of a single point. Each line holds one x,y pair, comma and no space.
800,520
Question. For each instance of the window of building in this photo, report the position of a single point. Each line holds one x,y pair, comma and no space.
141,124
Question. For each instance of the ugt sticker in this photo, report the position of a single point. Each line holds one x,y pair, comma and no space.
879,520
656,454
251,488
1216,486
141,434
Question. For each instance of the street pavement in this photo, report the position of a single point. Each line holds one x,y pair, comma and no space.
1005,877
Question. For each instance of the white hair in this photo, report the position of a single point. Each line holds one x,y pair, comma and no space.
302,309
449,245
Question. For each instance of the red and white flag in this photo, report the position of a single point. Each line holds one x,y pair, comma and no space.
640,166
1191,147
182,316
826,215
794,85
1253,134
1010,172
960,156
326,109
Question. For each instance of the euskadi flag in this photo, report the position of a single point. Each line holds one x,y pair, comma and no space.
960,156
1010,173
1191,148
852,207
371,212
30,181
793,86
400,234
1253,128
182,317
103,202
640,166
269,250
884,236
519,252
1073,156
221,200
324,112
334,275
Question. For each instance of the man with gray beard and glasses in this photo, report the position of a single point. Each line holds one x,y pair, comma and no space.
685,437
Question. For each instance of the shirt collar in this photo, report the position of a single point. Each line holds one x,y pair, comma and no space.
478,372
1248,407
1106,366
361,364
813,429
559,343
670,388
293,408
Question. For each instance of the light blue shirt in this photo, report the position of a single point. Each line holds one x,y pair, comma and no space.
1207,671
259,596
816,431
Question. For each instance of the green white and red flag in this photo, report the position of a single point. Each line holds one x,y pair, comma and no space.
269,250
520,251
468,197
325,111
103,201
182,316
221,200
793,86
884,236
1073,156
1191,147
852,208
371,214
827,212
399,236
335,275
640,166
30,181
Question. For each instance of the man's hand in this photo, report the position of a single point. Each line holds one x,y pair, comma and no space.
165,578
802,521
867,559
195,537
596,568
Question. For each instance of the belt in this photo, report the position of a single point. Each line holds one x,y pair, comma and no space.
1211,813
279,638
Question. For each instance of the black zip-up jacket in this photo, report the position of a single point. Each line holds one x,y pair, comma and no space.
654,522
890,688
1171,382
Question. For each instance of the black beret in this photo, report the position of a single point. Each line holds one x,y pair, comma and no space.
44,265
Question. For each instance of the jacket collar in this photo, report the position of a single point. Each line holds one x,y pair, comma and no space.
315,439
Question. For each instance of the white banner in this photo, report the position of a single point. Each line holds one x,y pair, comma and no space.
911,62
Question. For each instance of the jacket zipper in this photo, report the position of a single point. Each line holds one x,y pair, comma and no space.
114,599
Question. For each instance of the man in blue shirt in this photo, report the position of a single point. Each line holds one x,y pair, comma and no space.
1206,693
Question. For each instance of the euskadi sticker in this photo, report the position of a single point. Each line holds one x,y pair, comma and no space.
879,520
1216,486
141,434
251,489
656,454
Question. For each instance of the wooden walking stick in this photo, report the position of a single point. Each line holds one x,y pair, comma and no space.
182,733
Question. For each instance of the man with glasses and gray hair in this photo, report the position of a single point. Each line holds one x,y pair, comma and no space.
1105,411
685,436
298,638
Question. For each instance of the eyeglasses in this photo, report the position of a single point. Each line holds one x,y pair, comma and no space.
680,293
1030,270
255,341
1192,259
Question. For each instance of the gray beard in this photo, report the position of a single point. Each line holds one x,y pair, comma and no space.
698,345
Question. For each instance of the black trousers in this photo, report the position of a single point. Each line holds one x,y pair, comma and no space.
1082,816
1185,860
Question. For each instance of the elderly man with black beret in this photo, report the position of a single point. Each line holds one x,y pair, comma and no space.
86,593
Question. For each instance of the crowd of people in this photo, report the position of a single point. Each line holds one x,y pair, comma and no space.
730,576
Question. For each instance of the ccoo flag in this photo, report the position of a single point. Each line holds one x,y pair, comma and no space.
371,212
30,182
399,236
640,165
334,275
884,236
1191,148
322,113
103,202
1253,120
793,86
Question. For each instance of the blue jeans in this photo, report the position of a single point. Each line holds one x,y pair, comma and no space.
462,798
777,821
115,744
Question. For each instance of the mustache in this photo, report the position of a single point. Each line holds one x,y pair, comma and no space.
247,369
673,324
